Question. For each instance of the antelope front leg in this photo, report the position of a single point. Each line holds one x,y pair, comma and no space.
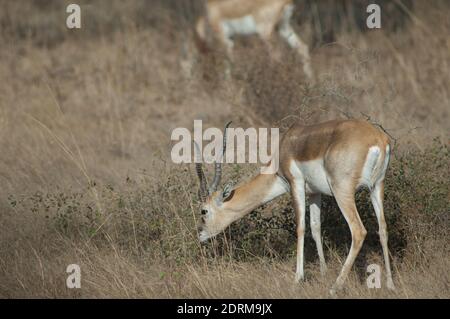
314,211
298,197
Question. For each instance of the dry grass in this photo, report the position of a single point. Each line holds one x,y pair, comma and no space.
85,123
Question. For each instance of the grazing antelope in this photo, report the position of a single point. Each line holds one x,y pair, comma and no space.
334,158
227,18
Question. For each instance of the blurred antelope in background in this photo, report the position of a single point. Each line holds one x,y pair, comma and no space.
227,18
334,158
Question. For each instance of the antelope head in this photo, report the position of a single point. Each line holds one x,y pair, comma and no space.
215,213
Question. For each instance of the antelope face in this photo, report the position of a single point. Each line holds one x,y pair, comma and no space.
215,216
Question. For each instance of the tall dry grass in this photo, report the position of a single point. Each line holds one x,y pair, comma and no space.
85,123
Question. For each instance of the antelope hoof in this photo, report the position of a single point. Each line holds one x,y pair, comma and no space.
299,278
323,270
333,293
335,289
390,285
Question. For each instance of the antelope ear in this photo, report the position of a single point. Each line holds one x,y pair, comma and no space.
228,192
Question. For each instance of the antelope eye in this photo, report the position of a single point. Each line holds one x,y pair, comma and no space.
204,211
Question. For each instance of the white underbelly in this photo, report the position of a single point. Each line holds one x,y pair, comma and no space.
314,175
241,26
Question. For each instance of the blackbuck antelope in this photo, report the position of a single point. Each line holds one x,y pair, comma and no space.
227,18
334,158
